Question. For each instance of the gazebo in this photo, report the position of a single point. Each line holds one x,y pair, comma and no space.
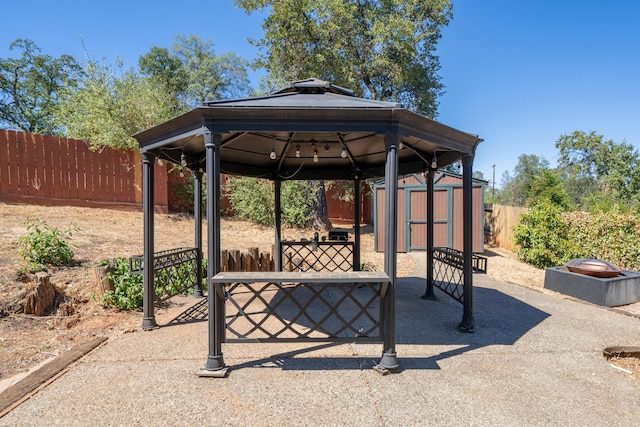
310,130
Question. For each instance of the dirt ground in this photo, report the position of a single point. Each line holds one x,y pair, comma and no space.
26,340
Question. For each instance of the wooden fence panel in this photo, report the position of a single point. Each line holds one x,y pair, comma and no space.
30,169
39,179
50,170
4,161
21,161
13,164
73,170
501,220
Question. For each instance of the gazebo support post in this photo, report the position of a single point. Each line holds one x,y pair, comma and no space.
277,221
389,361
429,293
215,361
467,324
148,315
197,217
356,226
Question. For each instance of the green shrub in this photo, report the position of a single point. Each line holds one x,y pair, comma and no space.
45,245
542,236
128,287
252,199
297,199
128,293
612,236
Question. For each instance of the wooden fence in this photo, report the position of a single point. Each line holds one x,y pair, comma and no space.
342,211
499,223
50,170
254,260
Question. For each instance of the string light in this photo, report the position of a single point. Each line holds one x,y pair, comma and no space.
272,156
183,160
315,154
343,154
434,162
298,150
160,162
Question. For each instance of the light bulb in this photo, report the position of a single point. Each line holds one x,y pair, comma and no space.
315,156
272,156
297,150
183,160
160,162
343,154
434,163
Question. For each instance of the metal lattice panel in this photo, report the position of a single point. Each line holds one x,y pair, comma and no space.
318,256
175,271
303,312
448,273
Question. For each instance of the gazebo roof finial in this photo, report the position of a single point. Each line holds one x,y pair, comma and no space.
313,85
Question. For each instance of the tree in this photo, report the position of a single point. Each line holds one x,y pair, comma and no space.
30,87
516,189
548,185
193,72
109,106
166,69
612,168
382,50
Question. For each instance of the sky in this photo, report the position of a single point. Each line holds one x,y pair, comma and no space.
517,73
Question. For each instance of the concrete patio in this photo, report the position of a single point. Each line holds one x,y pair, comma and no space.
535,359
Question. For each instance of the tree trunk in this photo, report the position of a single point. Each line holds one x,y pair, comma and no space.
319,213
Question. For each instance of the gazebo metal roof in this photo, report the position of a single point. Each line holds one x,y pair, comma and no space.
311,116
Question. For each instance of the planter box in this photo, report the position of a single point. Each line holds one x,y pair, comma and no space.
620,290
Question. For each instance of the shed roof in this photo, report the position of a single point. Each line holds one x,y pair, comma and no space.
315,129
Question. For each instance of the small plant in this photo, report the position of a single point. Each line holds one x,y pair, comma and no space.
128,287
45,245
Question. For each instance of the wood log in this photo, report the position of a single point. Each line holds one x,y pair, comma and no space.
103,281
41,296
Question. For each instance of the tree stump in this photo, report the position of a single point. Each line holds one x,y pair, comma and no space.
104,282
41,296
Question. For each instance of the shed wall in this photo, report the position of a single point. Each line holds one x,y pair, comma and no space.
448,214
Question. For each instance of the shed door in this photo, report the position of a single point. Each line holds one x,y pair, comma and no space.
416,218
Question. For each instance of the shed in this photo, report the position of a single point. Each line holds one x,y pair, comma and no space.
412,212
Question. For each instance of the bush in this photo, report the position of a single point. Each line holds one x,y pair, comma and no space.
297,199
46,245
612,236
542,236
128,293
252,199
128,287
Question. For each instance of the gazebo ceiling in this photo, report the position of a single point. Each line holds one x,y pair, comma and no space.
316,131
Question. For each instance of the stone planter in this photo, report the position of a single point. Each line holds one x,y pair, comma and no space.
620,290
